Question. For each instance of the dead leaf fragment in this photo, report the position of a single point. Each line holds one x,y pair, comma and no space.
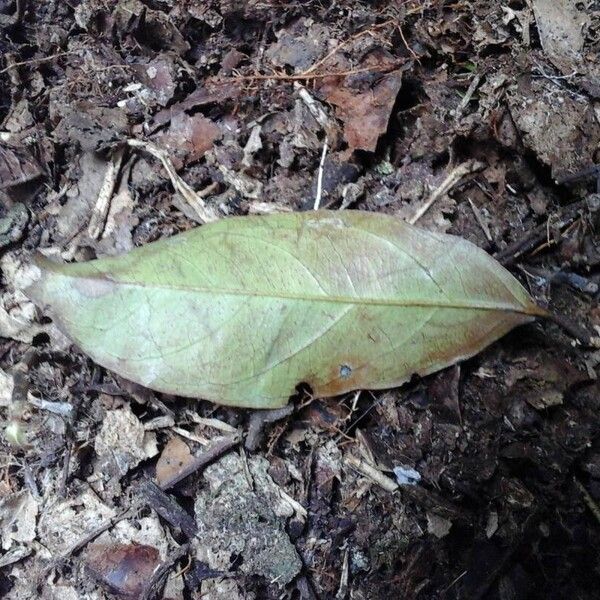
364,103
563,25
300,45
64,523
17,166
124,569
123,443
7,385
188,138
438,526
18,516
174,457
92,127
159,77
18,318
561,128
245,502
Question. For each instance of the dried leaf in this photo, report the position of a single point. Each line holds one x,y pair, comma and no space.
175,456
242,310
17,166
365,110
123,568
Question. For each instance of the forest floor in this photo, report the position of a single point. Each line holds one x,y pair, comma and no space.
481,481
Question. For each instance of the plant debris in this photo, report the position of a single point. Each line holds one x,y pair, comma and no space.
124,123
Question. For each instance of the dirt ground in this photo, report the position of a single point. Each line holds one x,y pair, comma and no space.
125,122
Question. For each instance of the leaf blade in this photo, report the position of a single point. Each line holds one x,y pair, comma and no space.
242,310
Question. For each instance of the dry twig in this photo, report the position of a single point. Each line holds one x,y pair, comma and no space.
371,472
470,166
194,199
102,206
319,193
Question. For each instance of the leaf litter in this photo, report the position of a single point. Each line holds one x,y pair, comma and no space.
511,86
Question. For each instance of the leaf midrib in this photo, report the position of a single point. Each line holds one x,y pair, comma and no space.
366,301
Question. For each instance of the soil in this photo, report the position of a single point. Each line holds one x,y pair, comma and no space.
481,481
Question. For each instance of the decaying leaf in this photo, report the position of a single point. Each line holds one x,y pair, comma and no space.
242,310
123,568
365,110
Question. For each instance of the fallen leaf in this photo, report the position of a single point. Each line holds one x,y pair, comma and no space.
17,166
438,526
7,385
188,138
18,516
562,27
174,457
125,569
544,114
364,109
63,523
242,310
122,443
18,322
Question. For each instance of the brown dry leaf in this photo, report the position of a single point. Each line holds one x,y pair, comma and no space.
124,569
17,166
174,457
188,138
364,101
562,26
208,93
93,127
159,77
300,45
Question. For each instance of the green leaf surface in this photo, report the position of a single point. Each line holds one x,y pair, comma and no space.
243,310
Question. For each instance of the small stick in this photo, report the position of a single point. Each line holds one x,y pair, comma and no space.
587,498
343,587
320,177
313,106
468,95
168,508
453,178
129,512
345,43
154,587
35,61
371,472
574,330
194,199
410,50
480,221
593,171
201,461
62,491
100,212
258,420
512,252
308,76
